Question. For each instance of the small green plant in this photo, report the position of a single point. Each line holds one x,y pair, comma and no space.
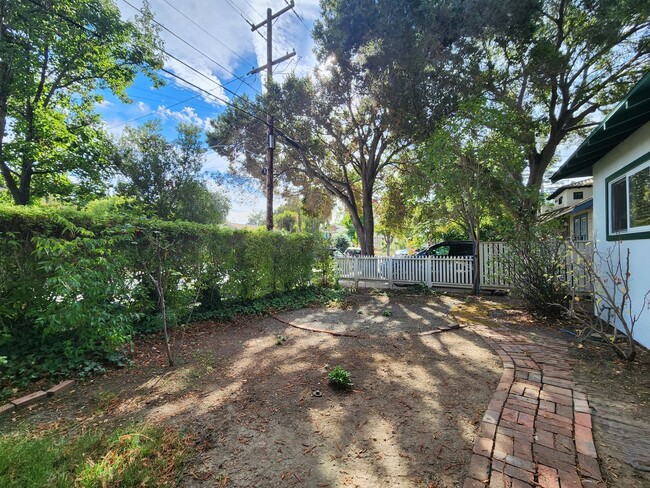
387,313
280,340
340,378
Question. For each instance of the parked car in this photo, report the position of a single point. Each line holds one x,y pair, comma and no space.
401,253
448,248
404,269
352,251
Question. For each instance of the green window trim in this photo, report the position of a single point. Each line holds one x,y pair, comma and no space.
628,235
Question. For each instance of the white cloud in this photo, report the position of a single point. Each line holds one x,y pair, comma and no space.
186,114
228,48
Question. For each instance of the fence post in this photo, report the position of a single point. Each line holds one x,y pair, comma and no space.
429,271
389,263
356,271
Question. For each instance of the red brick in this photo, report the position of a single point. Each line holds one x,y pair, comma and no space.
471,483
589,466
519,484
545,438
488,430
552,397
564,410
510,415
499,480
547,477
585,441
7,407
483,446
37,396
560,391
61,387
581,406
546,405
520,463
541,424
526,420
479,468
520,474
523,449
553,458
504,443
569,479
583,419
562,419
564,444
491,417
515,426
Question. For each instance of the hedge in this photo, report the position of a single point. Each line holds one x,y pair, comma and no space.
76,287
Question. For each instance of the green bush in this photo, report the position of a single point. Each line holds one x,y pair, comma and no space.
77,285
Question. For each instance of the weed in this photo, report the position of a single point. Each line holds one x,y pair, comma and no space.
387,313
340,378
280,340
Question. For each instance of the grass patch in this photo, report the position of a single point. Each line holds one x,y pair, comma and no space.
138,456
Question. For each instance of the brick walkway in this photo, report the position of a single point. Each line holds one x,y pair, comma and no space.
536,431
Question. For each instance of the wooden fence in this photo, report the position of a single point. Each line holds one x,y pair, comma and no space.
452,272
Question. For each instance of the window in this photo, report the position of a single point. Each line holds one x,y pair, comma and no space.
559,200
629,202
580,228
578,195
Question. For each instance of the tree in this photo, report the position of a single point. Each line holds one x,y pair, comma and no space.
258,219
334,134
165,177
552,63
55,58
393,212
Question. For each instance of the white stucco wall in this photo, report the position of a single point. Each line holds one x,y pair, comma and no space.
635,146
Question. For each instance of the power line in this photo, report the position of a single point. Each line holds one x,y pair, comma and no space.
189,45
208,33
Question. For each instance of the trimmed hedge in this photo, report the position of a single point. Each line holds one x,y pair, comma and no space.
75,287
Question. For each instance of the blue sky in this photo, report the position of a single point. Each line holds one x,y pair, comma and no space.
221,46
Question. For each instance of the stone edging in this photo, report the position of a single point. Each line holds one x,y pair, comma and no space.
537,429
37,396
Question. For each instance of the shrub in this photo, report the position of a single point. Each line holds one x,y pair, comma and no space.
77,285
537,262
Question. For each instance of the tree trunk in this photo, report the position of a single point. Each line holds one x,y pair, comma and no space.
366,240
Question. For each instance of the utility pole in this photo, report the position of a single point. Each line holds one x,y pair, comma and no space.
270,62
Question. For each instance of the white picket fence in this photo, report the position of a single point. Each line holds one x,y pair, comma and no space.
443,271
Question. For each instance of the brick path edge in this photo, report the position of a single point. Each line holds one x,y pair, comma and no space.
537,430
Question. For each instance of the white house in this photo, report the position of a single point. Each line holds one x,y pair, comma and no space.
572,204
617,155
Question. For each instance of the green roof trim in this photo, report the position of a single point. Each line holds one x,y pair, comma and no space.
620,123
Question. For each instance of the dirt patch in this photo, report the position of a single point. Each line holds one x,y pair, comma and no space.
249,399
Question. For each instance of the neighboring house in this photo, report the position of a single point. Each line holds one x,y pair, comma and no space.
617,155
572,204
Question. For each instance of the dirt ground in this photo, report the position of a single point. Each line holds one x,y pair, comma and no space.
254,409
253,394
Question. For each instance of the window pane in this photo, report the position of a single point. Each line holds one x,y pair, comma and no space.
640,198
577,195
619,206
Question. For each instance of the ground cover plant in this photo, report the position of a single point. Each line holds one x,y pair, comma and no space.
340,378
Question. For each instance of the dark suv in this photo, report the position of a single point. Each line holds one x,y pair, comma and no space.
409,270
448,248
